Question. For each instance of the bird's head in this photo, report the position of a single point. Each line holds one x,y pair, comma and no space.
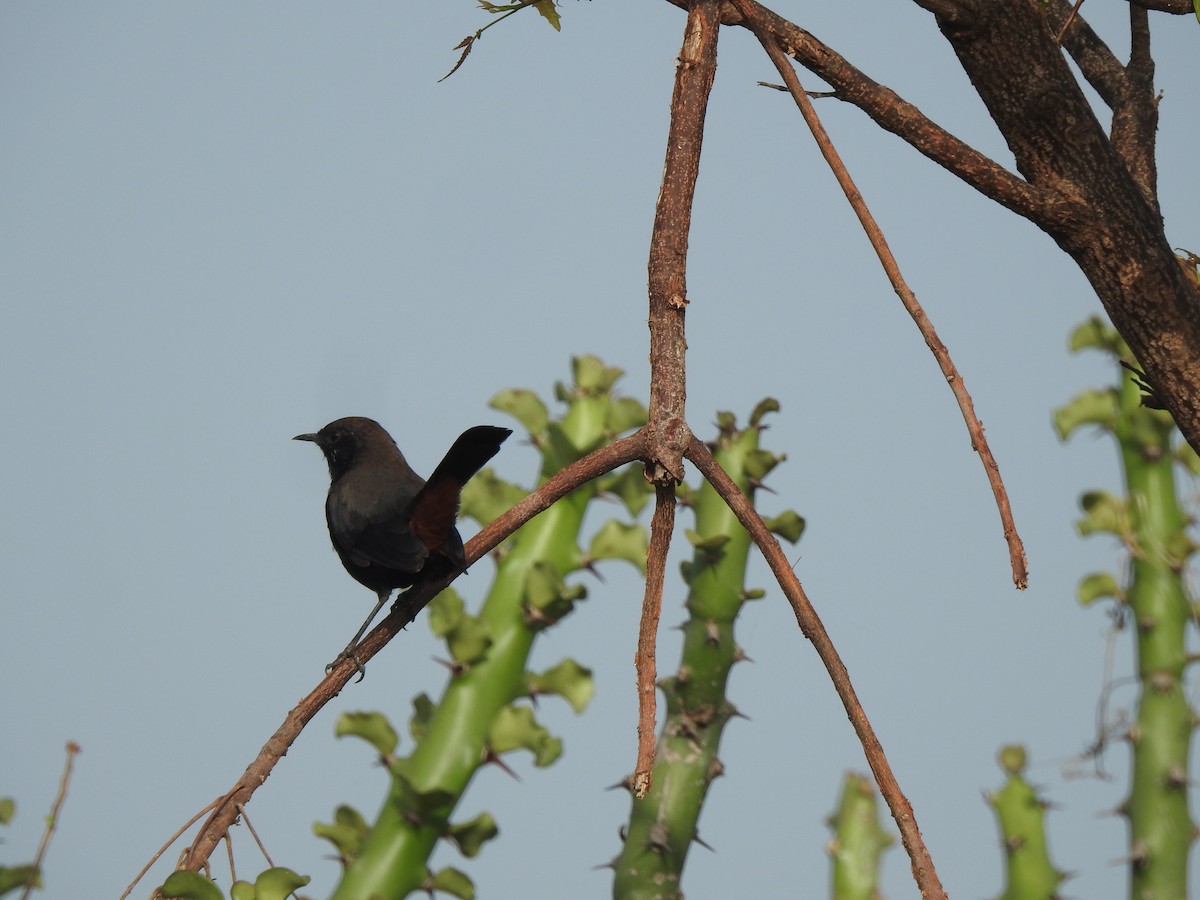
348,440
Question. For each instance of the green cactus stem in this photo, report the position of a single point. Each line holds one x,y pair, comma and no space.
858,842
1029,874
663,825
1152,525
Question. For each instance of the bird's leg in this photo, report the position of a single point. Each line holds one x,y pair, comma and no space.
348,653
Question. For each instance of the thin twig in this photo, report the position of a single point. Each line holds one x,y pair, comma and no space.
228,839
163,849
52,820
1016,549
404,610
1058,38
662,526
254,834
810,624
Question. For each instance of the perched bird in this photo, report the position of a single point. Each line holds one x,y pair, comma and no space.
391,528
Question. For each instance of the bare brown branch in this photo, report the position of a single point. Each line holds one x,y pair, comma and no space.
667,265
64,781
1135,113
1174,7
894,114
403,611
966,405
1117,240
1099,65
923,869
662,526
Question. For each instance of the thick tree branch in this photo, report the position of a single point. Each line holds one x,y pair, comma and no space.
1135,114
1099,65
923,869
1174,7
1117,240
892,113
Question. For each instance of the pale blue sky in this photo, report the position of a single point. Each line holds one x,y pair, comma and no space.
225,224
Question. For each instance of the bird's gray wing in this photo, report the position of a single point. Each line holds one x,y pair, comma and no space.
376,533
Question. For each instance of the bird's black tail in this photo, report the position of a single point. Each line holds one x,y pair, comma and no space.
474,447
434,509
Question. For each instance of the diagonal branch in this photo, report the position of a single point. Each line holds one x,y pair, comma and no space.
1098,64
810,623
892,113
403,611
1135,114
1016,549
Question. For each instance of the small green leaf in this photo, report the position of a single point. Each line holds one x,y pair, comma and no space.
1088,408
629,485
467,637
789,525
568,680
346,832
710,544
559,450
766,405
453,882
470,641
277,883
372,727
8,808
1103,513
418,722
726,422
13,877
549,13
185,885
621,540
547,597
759,463
1097,334
445,612
625,414
523,405
516,728
590,374
471,836
486,497
1097,586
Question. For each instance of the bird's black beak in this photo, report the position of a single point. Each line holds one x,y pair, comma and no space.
305,437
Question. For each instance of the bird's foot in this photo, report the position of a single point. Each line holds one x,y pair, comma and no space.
349,654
